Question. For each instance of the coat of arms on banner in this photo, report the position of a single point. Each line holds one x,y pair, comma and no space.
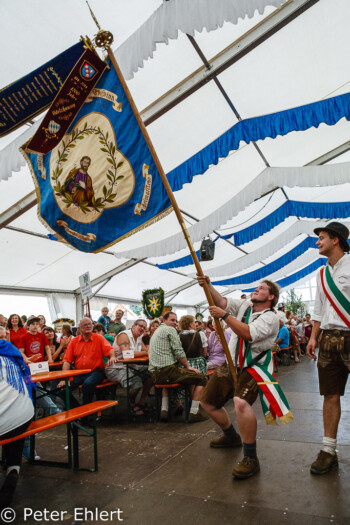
153,302
99,183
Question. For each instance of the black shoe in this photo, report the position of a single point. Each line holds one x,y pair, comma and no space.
8,489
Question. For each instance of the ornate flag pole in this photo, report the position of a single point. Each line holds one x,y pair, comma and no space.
104,39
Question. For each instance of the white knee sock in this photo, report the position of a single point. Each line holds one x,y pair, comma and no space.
329,445
165,403
194,407
13,467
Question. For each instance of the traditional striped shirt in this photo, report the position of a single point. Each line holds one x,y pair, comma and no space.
165,348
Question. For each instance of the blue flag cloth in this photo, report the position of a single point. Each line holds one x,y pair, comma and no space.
30,95
100,184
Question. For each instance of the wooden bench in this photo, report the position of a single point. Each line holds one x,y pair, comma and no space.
170,387
109,386
69,418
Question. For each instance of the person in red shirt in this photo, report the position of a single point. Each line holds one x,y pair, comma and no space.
34,344
15,330
86,351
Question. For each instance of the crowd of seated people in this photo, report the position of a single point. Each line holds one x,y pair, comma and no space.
295,331
202,345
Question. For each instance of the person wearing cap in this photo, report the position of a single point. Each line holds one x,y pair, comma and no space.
331,318
34,344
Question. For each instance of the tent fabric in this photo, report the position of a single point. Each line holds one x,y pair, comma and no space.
261,273
328,111
268,179
269,249
312,210
187,16
291,279
265,64
253,278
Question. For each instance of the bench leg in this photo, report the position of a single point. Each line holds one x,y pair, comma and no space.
95,444
75,447
69,444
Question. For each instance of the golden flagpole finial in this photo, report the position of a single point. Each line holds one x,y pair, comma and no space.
103,38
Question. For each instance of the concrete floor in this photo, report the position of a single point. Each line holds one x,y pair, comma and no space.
166,473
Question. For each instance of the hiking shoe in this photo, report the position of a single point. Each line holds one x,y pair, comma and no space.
164,416
324,463
8,489
225,442
195,418
246,468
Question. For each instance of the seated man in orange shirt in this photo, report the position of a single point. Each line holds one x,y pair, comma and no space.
86,351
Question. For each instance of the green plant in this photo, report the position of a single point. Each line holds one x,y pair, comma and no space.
295,304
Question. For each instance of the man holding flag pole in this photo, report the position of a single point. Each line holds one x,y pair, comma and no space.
255,325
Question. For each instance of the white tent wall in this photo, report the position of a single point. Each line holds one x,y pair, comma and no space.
301,62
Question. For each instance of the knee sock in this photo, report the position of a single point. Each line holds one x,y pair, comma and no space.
165,403
329,445
249,449
194,407
230,432
13,467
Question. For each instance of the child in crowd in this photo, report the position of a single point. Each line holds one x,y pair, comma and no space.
34,344
104,318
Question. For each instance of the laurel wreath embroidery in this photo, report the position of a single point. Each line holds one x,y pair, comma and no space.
109,193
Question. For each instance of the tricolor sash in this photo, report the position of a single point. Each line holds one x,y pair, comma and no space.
273,401
337,299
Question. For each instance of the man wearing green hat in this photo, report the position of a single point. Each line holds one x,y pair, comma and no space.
331,318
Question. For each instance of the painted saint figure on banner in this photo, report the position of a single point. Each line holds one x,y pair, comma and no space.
78,183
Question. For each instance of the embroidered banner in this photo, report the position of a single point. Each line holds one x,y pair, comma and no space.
99,184
30,95
67,103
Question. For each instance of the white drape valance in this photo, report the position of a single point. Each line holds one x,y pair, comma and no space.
187,16
268,250
268,179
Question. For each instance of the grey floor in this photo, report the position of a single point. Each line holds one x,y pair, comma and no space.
166,473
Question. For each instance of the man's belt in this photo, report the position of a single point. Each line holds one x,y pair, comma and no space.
337,333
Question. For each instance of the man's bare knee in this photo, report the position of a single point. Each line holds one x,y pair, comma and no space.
332,400
240,405
208,408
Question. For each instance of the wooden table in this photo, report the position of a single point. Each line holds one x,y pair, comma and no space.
56,365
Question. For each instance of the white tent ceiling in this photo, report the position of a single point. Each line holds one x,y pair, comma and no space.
303,62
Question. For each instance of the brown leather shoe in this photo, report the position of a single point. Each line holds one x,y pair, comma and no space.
164,416
246,468
225,442
324,463
195,418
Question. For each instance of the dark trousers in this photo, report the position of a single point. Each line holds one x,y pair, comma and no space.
88,382
12,452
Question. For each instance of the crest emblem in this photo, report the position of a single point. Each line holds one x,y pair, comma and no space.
153,302
53,127
87,71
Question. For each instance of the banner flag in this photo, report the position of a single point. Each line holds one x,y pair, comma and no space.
67,103
32,94
100,184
